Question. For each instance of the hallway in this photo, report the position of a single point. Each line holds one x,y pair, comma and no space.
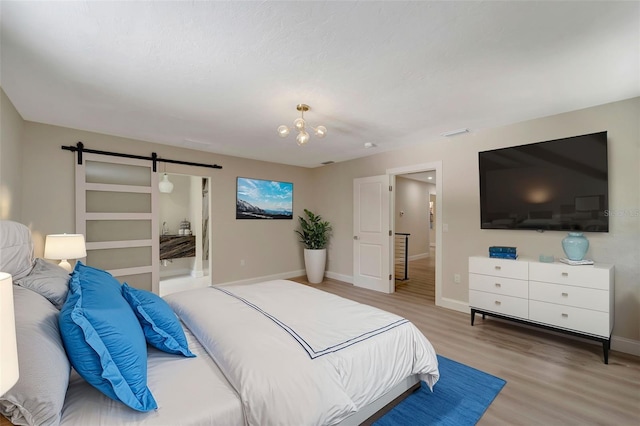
422,278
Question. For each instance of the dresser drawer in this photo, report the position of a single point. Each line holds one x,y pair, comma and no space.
571,318
507,268
579,297
592,276
506,305
499,285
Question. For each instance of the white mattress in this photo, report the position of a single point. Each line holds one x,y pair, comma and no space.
189,391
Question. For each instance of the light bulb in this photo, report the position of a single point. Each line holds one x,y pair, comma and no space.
302,138
299,124
320,131
283,131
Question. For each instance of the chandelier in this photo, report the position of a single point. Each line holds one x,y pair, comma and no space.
301,126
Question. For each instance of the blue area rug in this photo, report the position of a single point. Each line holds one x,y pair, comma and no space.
460,398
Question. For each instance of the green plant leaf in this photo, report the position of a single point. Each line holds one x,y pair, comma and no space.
314,232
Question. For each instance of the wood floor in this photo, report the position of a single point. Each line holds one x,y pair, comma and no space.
551,379
421,279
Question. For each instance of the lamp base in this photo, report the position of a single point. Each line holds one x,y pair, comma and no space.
65,265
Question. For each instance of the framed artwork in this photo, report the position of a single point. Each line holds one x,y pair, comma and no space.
263,199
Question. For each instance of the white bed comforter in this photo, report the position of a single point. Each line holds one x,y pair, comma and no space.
301,356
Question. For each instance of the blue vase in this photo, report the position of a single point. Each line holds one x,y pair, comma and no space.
575,246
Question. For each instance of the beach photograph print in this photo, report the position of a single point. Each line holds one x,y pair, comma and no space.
264,199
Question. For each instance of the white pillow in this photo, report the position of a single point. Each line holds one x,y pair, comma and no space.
48,280
16,249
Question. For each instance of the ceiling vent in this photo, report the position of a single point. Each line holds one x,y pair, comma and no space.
454,132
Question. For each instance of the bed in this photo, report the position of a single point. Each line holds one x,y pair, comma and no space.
272,353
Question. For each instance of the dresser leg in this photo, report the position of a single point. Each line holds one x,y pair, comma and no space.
606,345
473,316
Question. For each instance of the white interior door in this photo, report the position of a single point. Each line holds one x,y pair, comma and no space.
372,234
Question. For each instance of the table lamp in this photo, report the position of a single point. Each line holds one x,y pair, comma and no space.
64,246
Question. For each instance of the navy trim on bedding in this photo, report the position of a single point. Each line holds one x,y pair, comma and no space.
315,353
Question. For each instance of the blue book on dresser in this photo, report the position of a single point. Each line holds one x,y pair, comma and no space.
502,252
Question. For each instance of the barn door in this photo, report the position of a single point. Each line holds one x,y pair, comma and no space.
116,210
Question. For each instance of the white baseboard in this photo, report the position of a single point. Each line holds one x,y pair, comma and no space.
282,276
410,258
453,304
628,346
286,276
418,256
339,277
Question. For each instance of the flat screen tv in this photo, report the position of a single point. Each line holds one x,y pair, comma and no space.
557,185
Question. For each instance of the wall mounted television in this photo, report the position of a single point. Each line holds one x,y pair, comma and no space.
557,185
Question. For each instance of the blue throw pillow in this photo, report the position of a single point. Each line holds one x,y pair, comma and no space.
159,323
103,338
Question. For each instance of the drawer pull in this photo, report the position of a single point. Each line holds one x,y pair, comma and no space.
497,302
498,285
565,274
498,268
565,294
565,315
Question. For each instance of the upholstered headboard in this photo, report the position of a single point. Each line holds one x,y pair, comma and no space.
16,249
38,396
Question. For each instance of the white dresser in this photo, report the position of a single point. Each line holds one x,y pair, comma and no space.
573,299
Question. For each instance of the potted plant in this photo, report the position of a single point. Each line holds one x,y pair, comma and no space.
314,234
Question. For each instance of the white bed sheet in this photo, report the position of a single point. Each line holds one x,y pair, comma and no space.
189,391
301,356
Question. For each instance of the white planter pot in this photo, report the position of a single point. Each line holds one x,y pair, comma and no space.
314,262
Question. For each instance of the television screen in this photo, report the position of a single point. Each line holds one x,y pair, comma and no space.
558,185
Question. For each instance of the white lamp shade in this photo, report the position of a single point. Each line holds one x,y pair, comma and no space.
64,246
165,185
8,347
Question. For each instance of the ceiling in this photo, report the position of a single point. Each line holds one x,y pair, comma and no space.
222,76
428,177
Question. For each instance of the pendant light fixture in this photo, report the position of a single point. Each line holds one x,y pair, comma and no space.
301,126
165,185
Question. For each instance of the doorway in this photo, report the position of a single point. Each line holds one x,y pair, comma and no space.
185,234
415,242
424,201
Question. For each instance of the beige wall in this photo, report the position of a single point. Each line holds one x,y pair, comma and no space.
270,248
267,247
412,198
11,128
460,200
